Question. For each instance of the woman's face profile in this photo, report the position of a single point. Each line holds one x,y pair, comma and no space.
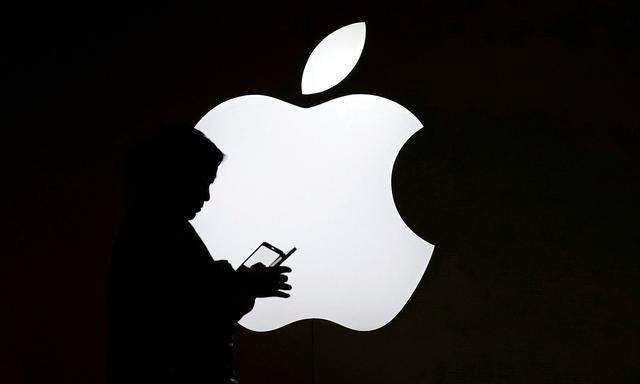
193,193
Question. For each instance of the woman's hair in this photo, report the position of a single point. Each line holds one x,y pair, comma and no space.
175,153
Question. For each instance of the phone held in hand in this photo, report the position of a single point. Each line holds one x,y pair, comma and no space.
268,255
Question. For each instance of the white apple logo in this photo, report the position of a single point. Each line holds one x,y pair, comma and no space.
318,178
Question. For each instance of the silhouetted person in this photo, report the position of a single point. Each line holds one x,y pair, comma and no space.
172,308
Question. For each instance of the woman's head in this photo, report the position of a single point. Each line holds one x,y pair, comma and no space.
171,172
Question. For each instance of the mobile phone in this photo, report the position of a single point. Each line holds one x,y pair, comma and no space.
268,255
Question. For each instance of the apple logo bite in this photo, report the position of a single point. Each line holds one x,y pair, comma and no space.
318,178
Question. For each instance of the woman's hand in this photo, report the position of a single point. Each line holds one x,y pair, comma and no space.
265,281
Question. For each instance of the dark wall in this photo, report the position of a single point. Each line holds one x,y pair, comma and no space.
524,178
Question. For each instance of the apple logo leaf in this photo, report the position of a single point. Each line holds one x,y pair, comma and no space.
333,59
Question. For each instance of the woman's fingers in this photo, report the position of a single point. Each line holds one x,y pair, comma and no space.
281,269
282,278
281,294
284,287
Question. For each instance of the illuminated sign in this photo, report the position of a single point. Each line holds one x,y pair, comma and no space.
319,179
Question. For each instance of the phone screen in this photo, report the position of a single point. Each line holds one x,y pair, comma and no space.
262,255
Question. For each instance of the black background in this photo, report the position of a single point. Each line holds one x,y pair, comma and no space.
524,178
